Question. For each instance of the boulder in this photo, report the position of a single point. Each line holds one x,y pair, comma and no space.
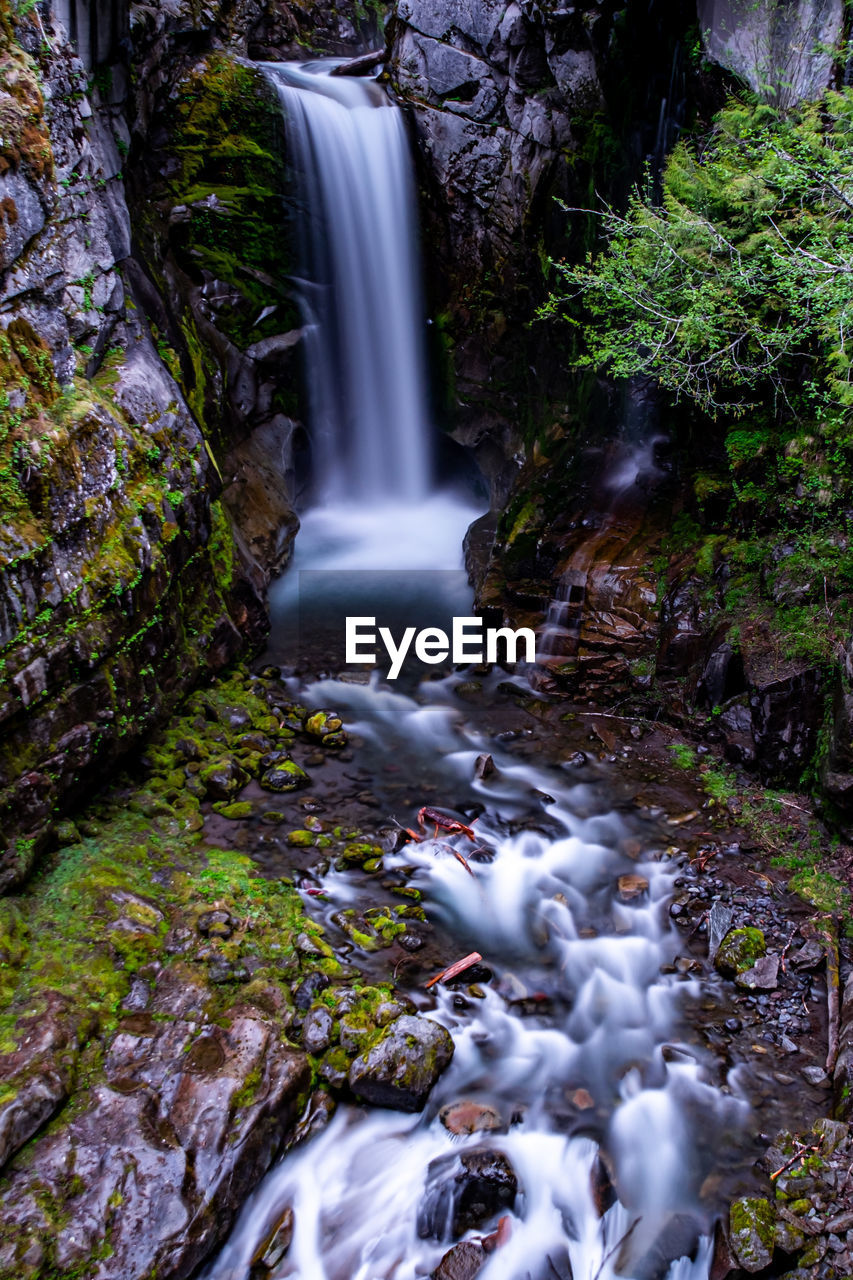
462,1262
739,950
401,1067
752,1229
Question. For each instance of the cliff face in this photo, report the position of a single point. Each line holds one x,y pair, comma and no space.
118,582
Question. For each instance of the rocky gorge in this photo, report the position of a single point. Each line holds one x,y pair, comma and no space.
218,928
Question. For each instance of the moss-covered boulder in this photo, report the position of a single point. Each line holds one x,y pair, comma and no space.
400,1069
752,1231
739,950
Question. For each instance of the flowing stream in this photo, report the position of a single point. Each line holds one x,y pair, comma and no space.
575,1047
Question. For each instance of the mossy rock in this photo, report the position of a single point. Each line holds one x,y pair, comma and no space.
321,723
752,1231
284,776
739,950
301,839
358,853
237,811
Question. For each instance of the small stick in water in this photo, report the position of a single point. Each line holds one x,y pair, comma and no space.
455,969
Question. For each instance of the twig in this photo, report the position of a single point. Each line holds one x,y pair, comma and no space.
617,1245
455,969
786,948
800,1155
790,804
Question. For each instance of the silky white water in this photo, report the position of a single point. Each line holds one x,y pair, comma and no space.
574,1042
359,292
545,912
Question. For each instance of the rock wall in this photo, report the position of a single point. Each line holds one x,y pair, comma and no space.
784,52
513,106
119,584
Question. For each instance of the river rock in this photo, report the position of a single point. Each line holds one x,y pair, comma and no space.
462,1262
470,1117
223,779
632,886
739,950
464,1191
400,1068
810,955
317,1030
752,1229
186,1122
327,726
284,776
275,1243
763,976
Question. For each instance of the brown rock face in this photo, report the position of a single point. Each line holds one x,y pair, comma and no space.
158,1159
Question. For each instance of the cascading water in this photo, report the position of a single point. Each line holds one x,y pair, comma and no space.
570,1050
376,506
359,290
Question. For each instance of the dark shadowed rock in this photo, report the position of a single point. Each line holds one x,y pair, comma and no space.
400,1069
464,1191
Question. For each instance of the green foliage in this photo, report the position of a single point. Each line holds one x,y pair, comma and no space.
232,179
737,291
683,755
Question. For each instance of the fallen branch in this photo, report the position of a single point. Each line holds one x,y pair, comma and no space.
799,1155
362,65
786,948
455,969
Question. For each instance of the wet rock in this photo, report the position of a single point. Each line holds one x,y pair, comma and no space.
470,1117
462,1262
810,956
484,767
632,886
719,922
328,727
739,950
318,1113
317,1030
276,1242
223,779
601,1185
464,1191
284,776
217,1104
306,991
400,1069
752,1231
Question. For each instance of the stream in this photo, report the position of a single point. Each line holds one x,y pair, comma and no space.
574,1083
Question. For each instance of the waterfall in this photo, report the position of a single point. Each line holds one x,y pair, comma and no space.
359,288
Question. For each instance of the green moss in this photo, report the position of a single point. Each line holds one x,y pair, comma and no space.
683,755
236,811
740,949
752,1223
820,889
